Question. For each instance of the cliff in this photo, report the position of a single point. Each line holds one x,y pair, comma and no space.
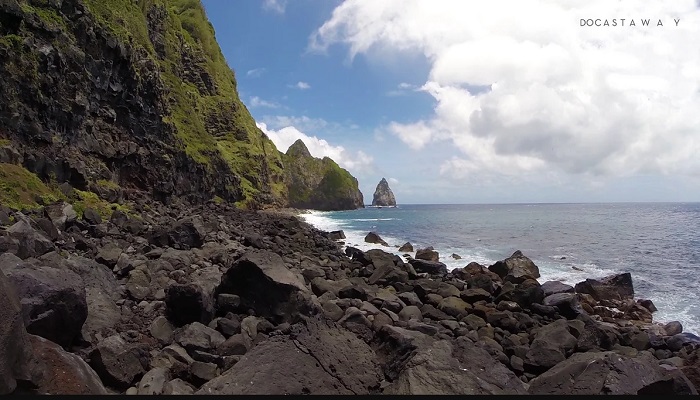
126,99
383,196
319,183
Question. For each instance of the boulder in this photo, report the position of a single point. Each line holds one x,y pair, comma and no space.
336,235
427,254
567,303
594,373
153,382
116,362
109,254
516,268
430,267
187,303
54,303
406,248
460,369
30,242
373,237
15,345
551,345
186,234
91,216
526,293
554,287
197,336
613,287
60,214
322,359
267,286
61,372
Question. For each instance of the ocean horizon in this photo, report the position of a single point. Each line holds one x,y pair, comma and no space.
657,242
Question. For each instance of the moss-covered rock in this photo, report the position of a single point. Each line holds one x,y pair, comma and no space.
319,184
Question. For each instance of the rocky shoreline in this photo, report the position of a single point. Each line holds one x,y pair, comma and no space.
208,299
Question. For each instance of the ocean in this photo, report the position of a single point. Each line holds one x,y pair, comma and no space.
658,243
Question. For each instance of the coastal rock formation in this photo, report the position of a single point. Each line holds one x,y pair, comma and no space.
264,287
319,183
131,99
383,196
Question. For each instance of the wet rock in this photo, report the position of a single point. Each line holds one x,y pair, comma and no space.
566,303
374,238
517,268
406,248
336,235
613,287
673,328
430,267
554,287
427,254
473,295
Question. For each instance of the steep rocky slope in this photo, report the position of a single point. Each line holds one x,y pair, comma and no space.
125,98
319,183
383,196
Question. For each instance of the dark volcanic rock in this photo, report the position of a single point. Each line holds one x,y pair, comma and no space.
428,254
383,196
116,362
322,359
374,238
525,293
187,303
614,287
406,248
31,243
62,372
186,234
554,287
15,346
336,235
266,286
595,373
516,268
430,267
54,304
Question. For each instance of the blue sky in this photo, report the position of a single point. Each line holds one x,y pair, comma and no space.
478,102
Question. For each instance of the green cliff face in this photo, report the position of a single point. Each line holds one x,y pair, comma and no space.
319,183
129,97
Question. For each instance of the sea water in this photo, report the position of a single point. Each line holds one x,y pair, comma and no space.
658,243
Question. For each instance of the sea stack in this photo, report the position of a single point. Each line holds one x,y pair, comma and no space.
383,196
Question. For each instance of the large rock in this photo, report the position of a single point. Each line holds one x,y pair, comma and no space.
551,345
463,369
427,254
54,303
322,359
62,372
525,293
595,373
15,346
60,214
430,267
613,287
554,287
516,268
373,237
116,362
383,196
187,303
31,243
187,233
267,286
197,336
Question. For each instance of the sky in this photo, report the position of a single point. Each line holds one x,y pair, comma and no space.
452,101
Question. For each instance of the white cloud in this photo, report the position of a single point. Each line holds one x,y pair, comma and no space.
393,181
522,89
300,85
255,73
278,6
256,101
285,137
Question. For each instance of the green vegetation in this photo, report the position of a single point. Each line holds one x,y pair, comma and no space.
107,184
21,189
46,12
125,19
85,199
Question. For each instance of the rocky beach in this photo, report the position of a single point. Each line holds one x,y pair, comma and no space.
215,300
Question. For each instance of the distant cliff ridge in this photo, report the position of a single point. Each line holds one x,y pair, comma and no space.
319,183
383,196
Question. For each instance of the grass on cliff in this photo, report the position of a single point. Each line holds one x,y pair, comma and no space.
85,199
21,189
